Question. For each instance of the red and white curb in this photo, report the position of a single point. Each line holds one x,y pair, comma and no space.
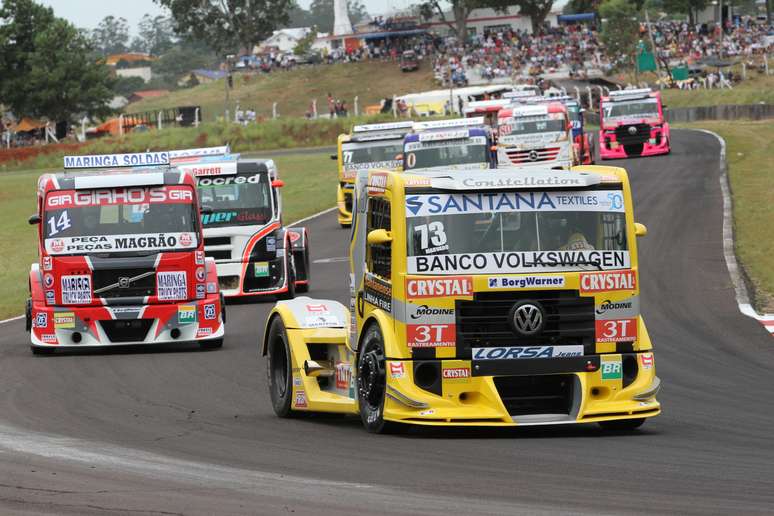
742,296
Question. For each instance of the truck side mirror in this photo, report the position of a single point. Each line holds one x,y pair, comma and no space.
640,229
277,183
206,210
34,219
334,157
379,236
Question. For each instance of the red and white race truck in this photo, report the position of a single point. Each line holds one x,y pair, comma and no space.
531,135
121,257
243,232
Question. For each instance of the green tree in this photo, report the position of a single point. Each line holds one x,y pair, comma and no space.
461,9
181,60
156,34
581,6
127,85
111,36
620,29
304,44
320,15
228,26
48,66
537,10
689,7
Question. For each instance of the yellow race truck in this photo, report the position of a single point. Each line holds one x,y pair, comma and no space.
369,146
477,299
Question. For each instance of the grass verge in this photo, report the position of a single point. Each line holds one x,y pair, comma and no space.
752,190
294,90
266,136
309,188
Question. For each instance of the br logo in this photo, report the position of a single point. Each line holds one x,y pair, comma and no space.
492,282
611,370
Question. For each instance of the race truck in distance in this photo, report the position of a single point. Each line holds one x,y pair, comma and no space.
243,232
459,144
632,123
487,109
535,135
477,299
121,257
367,146
582,142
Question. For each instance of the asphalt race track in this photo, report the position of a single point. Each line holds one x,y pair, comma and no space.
190,432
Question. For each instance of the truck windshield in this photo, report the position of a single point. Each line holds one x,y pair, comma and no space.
119,220
366,155
521,126
516,232
465,153
238,200
640,109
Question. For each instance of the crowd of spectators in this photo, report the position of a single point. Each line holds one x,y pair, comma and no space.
576,49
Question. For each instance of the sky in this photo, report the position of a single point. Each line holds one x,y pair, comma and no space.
88,13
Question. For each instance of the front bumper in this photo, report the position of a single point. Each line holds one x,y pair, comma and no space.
554,393
81,327
344,200
232,279
614,150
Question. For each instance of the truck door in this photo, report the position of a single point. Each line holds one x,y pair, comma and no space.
376,291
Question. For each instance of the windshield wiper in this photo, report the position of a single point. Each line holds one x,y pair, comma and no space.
594,263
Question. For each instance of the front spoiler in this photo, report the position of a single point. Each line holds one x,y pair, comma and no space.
168,325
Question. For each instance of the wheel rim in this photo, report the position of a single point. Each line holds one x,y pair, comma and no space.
371,379
279,367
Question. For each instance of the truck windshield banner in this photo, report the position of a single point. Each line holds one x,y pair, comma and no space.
504,202
110,196
120,243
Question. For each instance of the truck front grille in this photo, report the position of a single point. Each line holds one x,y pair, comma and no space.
486,321
133,330
632,134
533,155
120,283
541,394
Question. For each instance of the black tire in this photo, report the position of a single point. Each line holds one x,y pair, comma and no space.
39,350
622,425
344,226
372,383
290,267
28,316
278,369
304,287
211,344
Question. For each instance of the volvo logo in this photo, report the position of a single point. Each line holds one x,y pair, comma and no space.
533,155
527,318
632,130
123,282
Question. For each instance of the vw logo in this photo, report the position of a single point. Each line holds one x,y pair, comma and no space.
632,130
527,318
533,155
123,282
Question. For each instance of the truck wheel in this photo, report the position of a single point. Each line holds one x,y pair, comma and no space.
28,316
211,344
278,370
303,288
38,350
372,382
290,267
622,425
